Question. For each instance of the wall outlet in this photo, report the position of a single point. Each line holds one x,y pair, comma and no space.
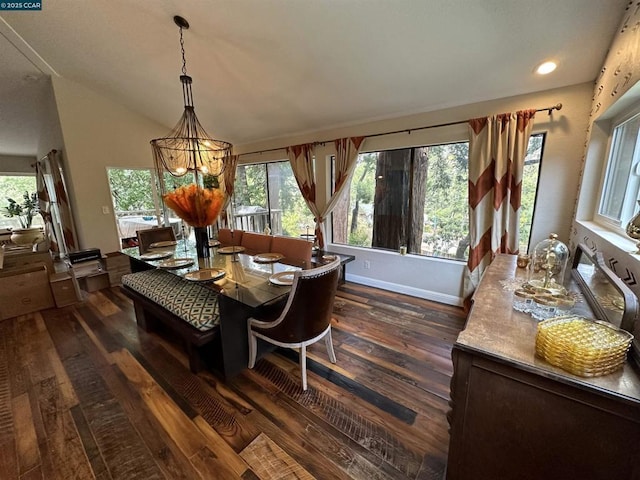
105,210
367,264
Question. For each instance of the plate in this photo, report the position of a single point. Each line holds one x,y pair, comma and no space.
155,255
268,257
214,243
205,275
230,250
164,243
175,263
282,278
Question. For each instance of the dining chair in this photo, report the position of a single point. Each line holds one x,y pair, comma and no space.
293,249
256,242
228,237
305,319
151,235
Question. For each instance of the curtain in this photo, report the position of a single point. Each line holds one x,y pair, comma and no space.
302,164
44,203
54,205
301,160
497,148
347,150
229,175
230,165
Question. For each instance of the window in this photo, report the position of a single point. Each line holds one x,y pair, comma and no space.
15,186
136,201
266,194
622,177
418,198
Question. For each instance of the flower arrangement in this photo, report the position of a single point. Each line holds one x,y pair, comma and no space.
196,205
25,211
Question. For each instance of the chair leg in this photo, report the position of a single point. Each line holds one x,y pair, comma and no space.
253,349
329,342
303,366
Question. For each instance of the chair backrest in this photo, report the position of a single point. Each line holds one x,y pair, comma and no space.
152,235
256,242
228,237
294,249
308,310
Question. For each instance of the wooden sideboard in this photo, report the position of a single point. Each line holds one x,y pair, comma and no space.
514,416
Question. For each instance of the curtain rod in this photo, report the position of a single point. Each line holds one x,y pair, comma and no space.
557,106
52,151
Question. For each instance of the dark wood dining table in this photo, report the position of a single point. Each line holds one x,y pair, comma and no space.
245,291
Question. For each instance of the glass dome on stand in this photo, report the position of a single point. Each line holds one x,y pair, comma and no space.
548,265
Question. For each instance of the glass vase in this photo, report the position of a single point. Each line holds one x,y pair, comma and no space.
202,241
633,229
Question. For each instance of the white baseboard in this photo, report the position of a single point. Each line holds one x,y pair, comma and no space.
404,289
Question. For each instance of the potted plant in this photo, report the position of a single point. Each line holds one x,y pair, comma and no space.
25,211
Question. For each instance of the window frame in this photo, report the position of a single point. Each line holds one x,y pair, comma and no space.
615,225
413,147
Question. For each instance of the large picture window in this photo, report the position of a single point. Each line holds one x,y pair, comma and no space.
267,195
418,198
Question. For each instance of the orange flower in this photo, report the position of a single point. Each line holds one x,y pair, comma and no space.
195,205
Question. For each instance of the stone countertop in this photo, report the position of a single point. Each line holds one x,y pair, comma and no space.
498,331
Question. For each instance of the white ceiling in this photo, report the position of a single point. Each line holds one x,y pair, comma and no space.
269,68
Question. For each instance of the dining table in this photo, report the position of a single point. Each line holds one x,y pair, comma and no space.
247,282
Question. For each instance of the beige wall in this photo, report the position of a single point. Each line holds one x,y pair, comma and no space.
17,164
99,133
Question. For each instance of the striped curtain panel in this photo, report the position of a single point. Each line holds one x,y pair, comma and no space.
497,148
54,203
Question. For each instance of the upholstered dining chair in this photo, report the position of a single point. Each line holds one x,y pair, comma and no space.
228,237
256,242
306,317
295,249
152,235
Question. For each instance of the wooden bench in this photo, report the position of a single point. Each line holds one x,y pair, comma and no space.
189,310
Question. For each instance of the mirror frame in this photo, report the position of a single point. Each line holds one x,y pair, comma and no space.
629,321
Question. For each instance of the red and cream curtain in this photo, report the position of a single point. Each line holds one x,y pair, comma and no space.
497,148
54,205
302,164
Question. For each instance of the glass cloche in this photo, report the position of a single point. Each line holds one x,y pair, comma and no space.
548,264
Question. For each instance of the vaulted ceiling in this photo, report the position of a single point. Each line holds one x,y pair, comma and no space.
269,68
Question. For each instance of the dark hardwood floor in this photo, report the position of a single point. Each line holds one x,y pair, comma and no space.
85,394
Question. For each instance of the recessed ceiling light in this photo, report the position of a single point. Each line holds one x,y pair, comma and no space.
546,67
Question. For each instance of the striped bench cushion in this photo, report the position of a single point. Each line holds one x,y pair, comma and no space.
194,303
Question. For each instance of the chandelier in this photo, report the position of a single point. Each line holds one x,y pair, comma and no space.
188,147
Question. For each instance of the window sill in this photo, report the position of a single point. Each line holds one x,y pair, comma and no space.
623,243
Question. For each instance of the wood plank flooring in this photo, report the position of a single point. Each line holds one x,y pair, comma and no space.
85,394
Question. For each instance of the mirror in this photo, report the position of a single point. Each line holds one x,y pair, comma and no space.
607,296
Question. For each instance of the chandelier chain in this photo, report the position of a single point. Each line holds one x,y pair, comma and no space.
184,62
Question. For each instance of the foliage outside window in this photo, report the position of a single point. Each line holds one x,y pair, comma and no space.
136,201
620,190
15,186
418,198
267,195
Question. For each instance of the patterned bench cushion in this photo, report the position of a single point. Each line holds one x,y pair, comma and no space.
195,304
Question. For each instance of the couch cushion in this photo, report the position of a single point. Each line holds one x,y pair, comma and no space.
194,303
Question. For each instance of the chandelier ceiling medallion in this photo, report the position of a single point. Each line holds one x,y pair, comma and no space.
188,147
